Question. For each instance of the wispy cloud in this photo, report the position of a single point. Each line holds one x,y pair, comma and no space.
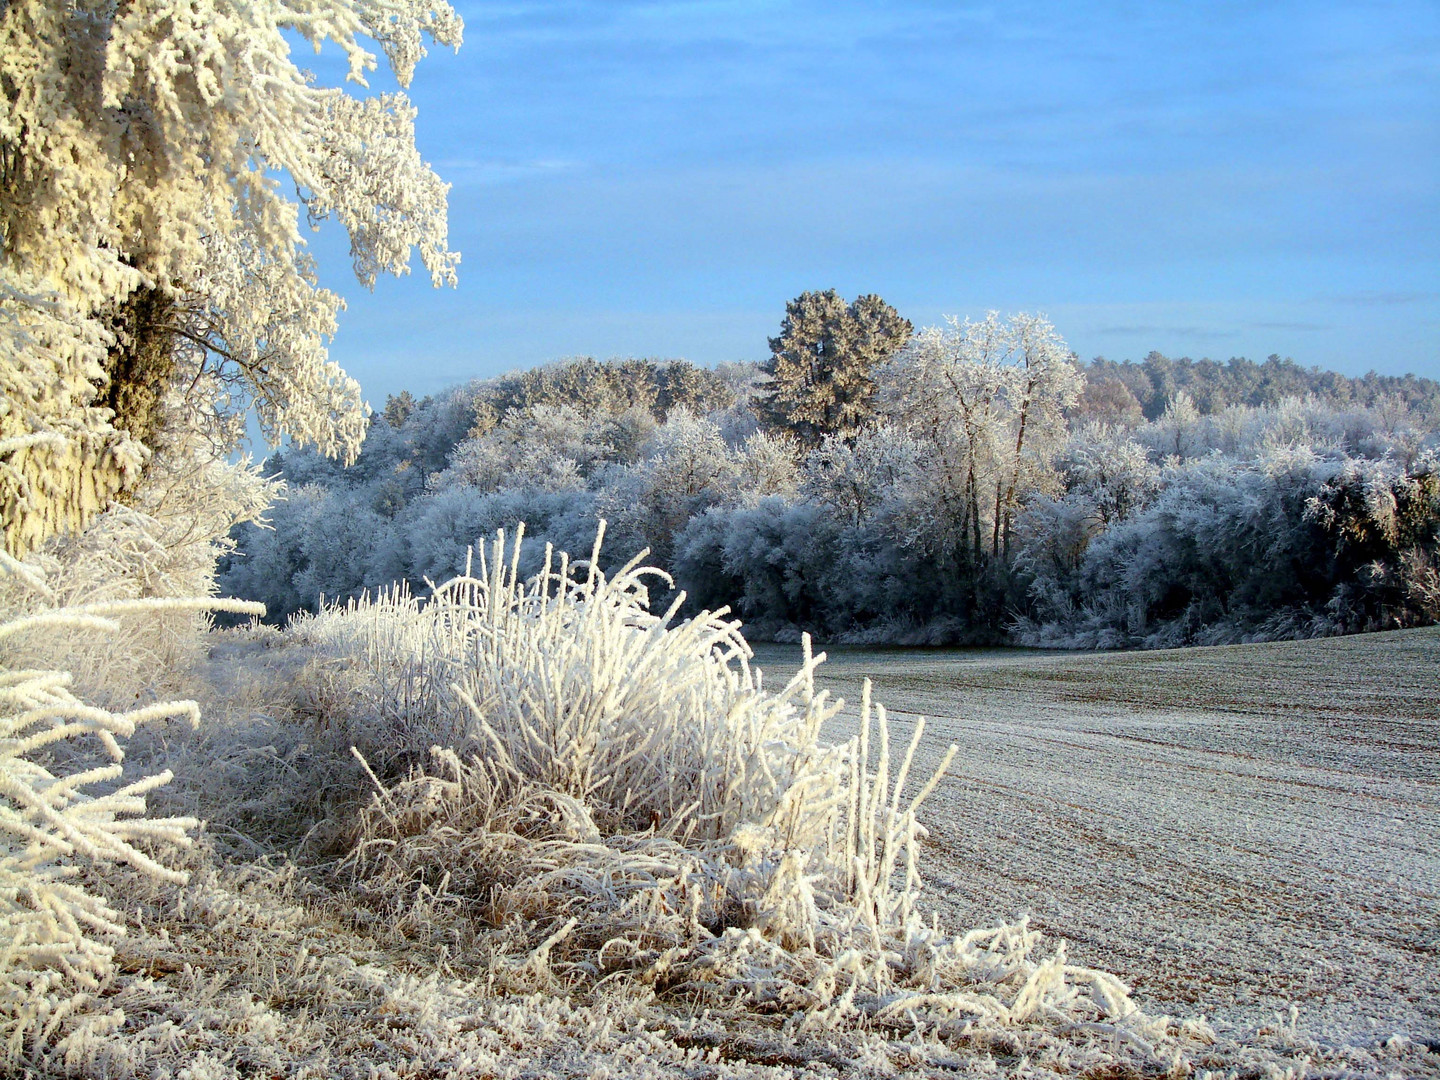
481,171
1379,299
1195,333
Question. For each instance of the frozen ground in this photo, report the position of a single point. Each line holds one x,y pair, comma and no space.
1233,830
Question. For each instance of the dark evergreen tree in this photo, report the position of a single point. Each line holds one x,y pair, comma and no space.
398,408
821,364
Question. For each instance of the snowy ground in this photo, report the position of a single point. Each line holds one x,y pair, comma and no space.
1233,830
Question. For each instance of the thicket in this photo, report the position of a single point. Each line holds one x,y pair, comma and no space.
1289,545
1000,491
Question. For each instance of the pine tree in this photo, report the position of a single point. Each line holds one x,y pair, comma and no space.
821,364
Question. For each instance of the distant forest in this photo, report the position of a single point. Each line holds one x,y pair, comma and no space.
969,483
1127,392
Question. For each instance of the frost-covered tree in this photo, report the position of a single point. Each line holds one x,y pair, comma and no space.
612,387
147,239
854,478
1109,478
1212,386
1044,383
1108,472
821,364
765,466
686,468
1178,433
546,447
1108,399
987,400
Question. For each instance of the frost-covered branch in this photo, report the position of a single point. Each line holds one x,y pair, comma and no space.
54,932
143,150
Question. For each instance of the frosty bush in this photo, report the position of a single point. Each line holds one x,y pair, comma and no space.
162,543
776,561
53,950
612,795
570,681
1291,545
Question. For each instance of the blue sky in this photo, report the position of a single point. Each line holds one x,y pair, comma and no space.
658,178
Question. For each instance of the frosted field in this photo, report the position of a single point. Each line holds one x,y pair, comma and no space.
1232,830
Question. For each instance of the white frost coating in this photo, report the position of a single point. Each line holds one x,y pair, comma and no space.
147,560
133,136
60,461
489,924
985,401
53,950
152,145
619,798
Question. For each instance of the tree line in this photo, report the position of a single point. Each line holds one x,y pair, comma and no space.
972,482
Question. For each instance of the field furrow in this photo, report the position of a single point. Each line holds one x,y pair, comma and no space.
1232,830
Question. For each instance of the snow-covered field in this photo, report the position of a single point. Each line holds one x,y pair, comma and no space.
1233,830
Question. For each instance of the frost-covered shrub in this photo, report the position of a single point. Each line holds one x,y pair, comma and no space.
1383,523
1108,479
269,557
443,528
163,543
774,561
613,796
1217,545
566,676
686,468
796,567
316,544
1291,545
54,931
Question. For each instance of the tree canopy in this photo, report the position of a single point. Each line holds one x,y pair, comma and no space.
149,241
822,361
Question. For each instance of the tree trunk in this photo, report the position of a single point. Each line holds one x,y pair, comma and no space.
995,532
973,490
1015,473
141,363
